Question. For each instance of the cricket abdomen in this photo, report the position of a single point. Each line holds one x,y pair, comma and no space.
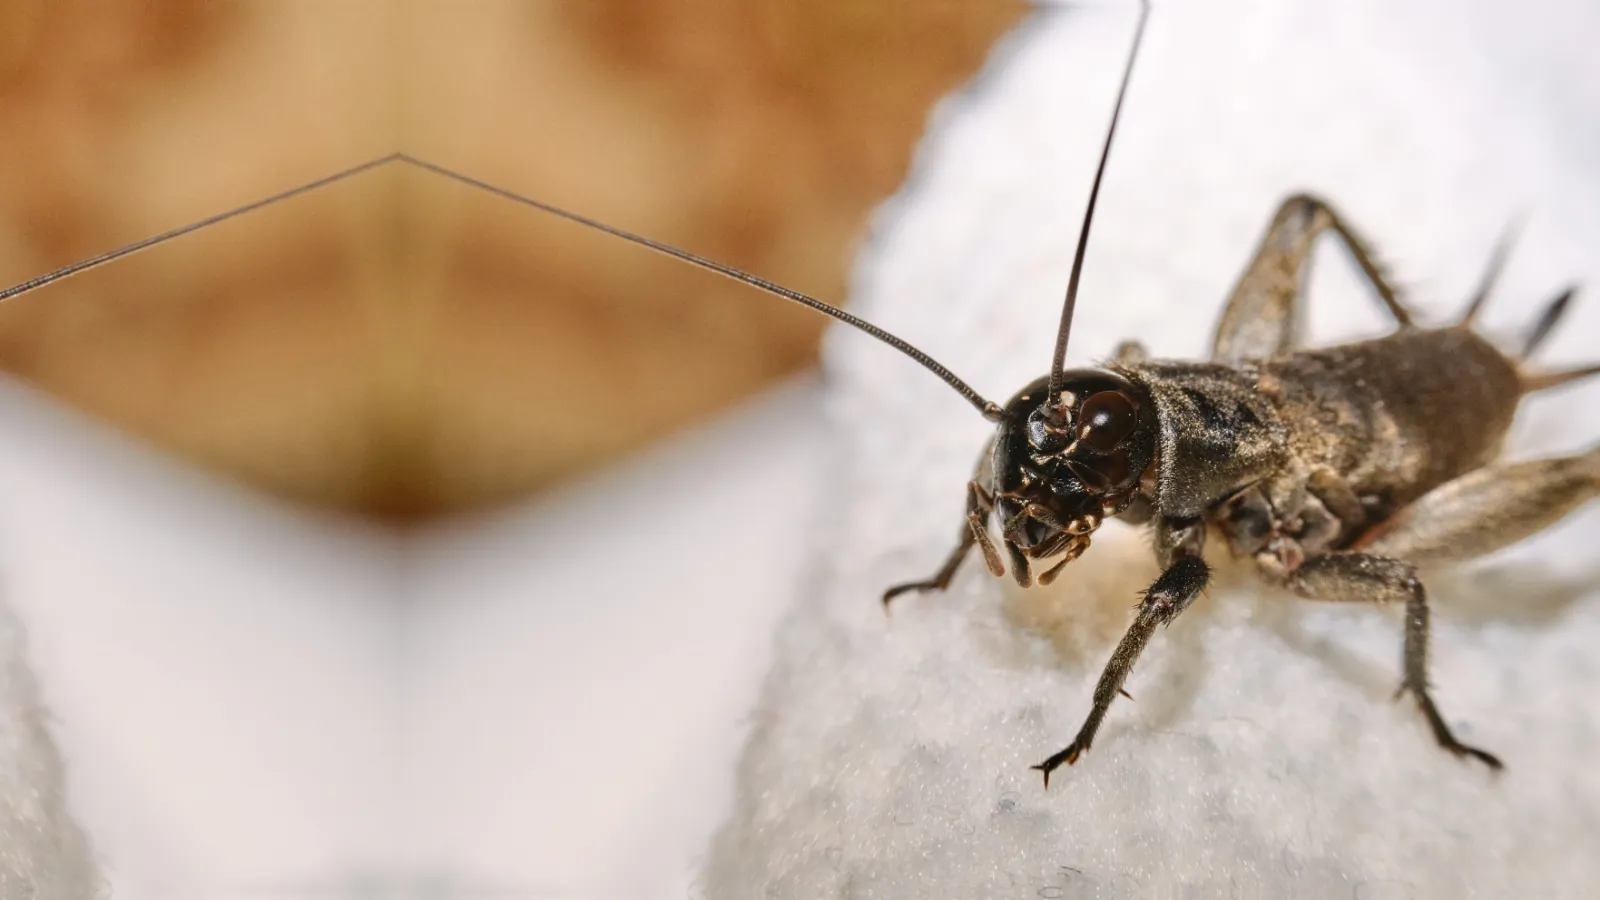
1396,416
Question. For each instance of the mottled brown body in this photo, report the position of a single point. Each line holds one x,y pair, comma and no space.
1331,440
1398,416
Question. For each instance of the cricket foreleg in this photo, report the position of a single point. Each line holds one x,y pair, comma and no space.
1261,319
1363,578
1487,509
975,531
1170,595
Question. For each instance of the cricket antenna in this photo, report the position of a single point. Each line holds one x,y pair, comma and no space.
1065,329
93,262
990,410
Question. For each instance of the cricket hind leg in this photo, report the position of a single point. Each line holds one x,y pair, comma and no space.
1364,578
1261,319
1486,510
974,532
1473,515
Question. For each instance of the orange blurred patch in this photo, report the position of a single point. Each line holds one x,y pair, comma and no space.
401,345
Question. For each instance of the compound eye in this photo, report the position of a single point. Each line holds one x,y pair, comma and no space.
1101,475
1105,420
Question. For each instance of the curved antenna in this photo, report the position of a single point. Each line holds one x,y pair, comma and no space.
93,262
989,409
1060,358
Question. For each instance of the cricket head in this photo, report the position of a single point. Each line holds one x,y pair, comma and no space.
1063,467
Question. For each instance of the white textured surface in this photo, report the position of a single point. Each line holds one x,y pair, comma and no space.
1262,757
43,852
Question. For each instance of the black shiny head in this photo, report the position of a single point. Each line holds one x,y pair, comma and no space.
1061,469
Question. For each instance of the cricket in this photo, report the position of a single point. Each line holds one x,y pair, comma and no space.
1337,471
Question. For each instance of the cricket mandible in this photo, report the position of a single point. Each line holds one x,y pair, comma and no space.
1336,470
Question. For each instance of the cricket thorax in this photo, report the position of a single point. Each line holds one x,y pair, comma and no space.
1217,433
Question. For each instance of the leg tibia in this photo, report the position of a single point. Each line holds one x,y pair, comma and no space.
979,503
1170,595
1483,511
1261,317
1359,577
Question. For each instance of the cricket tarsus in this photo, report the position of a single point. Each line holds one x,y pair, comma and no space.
1447,740
1071,301
1371,578
979,505
939,581
1170,595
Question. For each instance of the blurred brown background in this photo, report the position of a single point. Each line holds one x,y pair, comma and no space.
402,346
